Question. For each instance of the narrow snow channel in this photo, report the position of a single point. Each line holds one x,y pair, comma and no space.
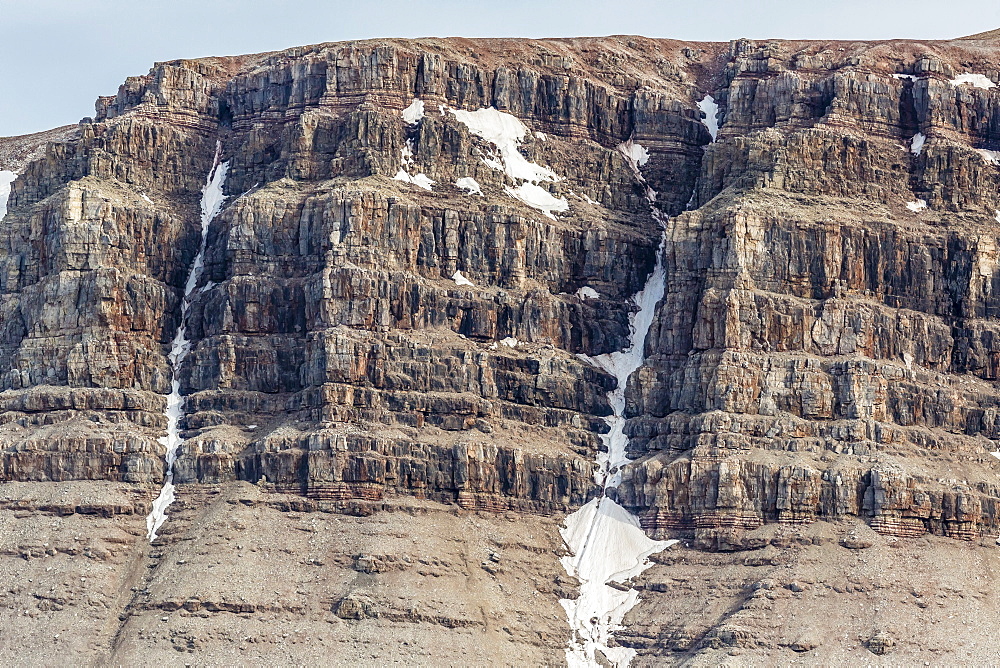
606,541
212,199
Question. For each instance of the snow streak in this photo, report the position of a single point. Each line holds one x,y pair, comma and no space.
711,119
470,185
412,115
606,541
212,199
6,180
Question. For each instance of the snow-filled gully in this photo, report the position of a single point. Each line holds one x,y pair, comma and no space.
212,199
607,544
606,541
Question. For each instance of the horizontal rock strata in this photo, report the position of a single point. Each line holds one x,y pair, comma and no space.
826,346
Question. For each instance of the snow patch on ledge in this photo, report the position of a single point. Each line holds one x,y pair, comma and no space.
470,185
977,80
587,292
992,157
917,143
461,280
6,179
421,179
414,113
505,131
905,76
711,111
919,205
510,342
539,198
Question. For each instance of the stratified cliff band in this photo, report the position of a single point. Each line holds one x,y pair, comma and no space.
397,294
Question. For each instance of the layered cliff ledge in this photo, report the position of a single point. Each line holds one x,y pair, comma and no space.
397,292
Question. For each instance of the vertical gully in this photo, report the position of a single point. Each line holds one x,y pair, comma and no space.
212,199
607,545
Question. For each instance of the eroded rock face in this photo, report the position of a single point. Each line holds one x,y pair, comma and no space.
822,350
334,356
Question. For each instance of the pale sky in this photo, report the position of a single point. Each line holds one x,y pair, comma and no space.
57,56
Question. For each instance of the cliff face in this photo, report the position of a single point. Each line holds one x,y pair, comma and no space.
334,354
827,346
824,350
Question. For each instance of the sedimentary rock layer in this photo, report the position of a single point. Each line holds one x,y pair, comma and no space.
826,345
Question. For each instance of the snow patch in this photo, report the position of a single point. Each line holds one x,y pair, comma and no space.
539,198
414,113
621,553
421,179
212,199
506,131
919,205
146,197
6,179
461,280
635,152
996,453
541,135
917,143
992,157
631,152
510,342
407,153
406,159
977,80
470,185
905,76
998,216
587,292
711,120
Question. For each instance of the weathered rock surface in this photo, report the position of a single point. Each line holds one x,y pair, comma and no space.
822,350
803,596
243,575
